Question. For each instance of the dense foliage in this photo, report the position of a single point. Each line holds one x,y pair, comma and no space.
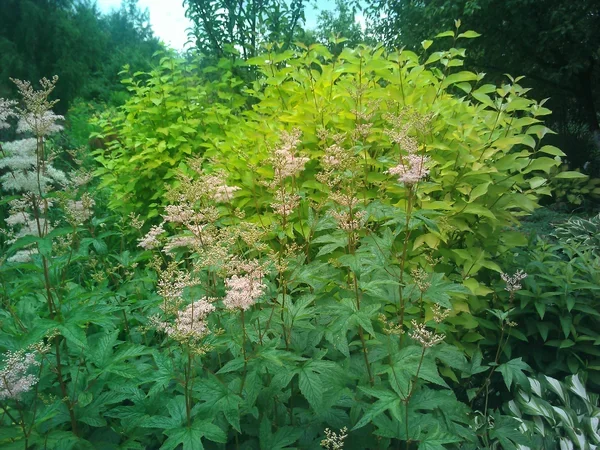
554,43
318,247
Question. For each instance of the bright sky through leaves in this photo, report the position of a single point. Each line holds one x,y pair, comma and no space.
169,23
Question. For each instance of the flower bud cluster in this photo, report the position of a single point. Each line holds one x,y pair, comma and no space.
513,282
423,336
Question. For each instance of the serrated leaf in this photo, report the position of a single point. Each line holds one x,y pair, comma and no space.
376,409
190,437
514,370
311,387
232,366
73,334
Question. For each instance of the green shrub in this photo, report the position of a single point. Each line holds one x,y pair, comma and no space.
557,311
324,262
487,165
174,112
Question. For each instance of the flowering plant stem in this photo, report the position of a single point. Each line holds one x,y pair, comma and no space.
411,390
242,318
401,300
188,380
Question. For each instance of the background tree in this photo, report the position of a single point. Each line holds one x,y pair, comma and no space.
225,27
341,23
554,43
72,39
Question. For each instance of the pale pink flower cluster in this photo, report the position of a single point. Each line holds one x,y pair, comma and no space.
172,283
285,203
21,223
406,142
335,157
243,291
79,211
186,241
224,193
215,186
37,116
23,256
411,169
513,283
348,222
194,220
14,379
150,241
284,159
82,178
439,314
189,323
362,131
21,160
178,213
28,226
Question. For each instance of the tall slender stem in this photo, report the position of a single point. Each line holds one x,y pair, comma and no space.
243,352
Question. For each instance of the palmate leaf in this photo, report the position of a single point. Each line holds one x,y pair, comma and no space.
101,346
164,375
437,440
406,364
513,370
506,431
191,437
387,400
317,378
282,438
442,290
389,428
218,398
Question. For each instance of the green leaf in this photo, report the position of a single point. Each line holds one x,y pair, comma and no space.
479,190
391,401
513,371
84,399
570,174
445,34
232,366
552,150
459,77
426,44
191,437
542,163
160,422
212,432
284,437
177,411
311,387
575,385
468,35
73,334
441,291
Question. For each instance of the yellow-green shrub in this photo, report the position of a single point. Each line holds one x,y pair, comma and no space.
488,163
174,113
